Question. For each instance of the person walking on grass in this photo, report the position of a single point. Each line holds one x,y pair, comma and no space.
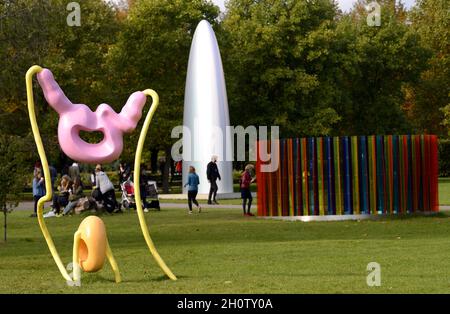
246,195
212,174
192,184
38,189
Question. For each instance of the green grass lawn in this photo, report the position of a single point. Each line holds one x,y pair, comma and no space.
444,191
220,251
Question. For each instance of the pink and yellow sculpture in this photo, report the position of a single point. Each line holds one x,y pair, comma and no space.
74,118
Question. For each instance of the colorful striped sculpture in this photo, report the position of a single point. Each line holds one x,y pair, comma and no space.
351,175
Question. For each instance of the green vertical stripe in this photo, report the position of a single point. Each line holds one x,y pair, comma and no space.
319,156
337,176
372,173
355,181
387,174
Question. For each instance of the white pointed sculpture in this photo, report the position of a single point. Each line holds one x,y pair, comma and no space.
206,111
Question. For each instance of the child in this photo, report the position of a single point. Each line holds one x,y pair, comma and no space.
192,183
38,189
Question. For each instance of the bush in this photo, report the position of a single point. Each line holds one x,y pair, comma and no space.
444,157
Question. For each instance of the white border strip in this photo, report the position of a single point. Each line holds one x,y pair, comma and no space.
344,217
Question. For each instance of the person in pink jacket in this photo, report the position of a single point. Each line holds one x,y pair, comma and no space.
246,195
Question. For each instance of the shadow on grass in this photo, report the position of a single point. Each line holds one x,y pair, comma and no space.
161,278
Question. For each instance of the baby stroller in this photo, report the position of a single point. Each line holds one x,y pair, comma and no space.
127,198
149,191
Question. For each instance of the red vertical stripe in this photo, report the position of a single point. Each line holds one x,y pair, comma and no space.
434,173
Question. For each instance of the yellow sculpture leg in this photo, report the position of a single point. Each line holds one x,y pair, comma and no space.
112,262
48,186
137,170
75,257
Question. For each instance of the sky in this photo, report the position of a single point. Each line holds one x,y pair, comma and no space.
345,5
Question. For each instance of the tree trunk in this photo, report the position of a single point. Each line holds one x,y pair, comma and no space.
165,174
154,160
5,213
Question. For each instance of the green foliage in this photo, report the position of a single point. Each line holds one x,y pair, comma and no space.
152,52
444,158
36,32
383,60
13,170
273,57
304,67
431,21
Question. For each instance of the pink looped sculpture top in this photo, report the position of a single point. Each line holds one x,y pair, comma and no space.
74,118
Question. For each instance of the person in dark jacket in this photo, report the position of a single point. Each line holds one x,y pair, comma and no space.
124,172
143,179
212,174
53,175
38,189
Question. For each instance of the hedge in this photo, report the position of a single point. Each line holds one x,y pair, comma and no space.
444,158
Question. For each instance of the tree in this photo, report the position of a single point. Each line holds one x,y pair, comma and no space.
431,21
13,152
274,55
305,66
385,60
152,52
36,32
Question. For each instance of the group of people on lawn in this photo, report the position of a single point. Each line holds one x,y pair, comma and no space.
212,174
70,190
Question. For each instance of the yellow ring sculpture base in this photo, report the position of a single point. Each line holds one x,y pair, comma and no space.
93,233
48,196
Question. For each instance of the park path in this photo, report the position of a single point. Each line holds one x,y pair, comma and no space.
163,204
29,205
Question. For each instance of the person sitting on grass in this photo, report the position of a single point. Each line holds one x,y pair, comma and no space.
246,195
60,199
192,183
38,189
76,193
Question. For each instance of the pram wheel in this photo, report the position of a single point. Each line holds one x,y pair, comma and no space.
126,204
